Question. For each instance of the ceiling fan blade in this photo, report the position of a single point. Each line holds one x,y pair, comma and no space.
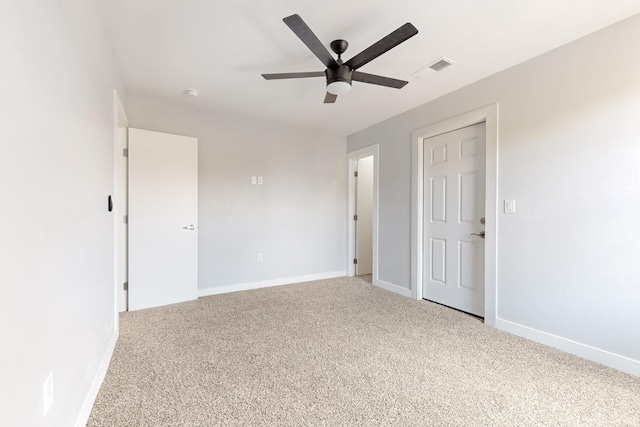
302,30
377,80
383,45
330,98
277,76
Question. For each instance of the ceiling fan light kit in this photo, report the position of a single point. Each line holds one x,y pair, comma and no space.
338,87
340,74
339,79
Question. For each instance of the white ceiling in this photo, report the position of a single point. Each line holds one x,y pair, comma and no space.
222,47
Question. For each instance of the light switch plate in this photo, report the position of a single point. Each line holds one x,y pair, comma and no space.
510,206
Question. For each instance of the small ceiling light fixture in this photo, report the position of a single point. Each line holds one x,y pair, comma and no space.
192,92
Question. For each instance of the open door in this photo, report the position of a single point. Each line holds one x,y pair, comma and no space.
163,219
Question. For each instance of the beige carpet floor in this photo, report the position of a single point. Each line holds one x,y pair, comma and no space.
339,353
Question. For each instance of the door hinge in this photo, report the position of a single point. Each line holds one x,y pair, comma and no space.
125,286
355,174
355,260
355,217
125,219
125,152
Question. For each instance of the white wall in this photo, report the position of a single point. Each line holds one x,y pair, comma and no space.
569,126
296,219
56,236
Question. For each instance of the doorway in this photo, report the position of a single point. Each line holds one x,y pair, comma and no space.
489,116
362,216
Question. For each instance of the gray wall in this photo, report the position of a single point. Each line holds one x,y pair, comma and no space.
296,219
569,126
56,236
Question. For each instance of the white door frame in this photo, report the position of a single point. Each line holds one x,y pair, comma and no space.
352,158
489,115
119,121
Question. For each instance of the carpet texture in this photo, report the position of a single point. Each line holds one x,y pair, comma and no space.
341,352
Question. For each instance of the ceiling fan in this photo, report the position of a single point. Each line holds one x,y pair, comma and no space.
340,74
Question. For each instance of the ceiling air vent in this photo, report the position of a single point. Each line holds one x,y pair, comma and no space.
437,65
440,64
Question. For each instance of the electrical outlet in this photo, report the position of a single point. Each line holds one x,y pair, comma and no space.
47,394
260,180
259,256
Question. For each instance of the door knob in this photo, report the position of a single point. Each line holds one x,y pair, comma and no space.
481,234
189,227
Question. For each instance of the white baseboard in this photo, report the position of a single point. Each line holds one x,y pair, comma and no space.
85,412
393,288
215,290
612,360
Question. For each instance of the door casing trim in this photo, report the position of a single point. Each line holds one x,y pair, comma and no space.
120,120
489,115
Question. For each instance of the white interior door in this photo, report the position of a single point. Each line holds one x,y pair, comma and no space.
364,212
163,219
454,187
